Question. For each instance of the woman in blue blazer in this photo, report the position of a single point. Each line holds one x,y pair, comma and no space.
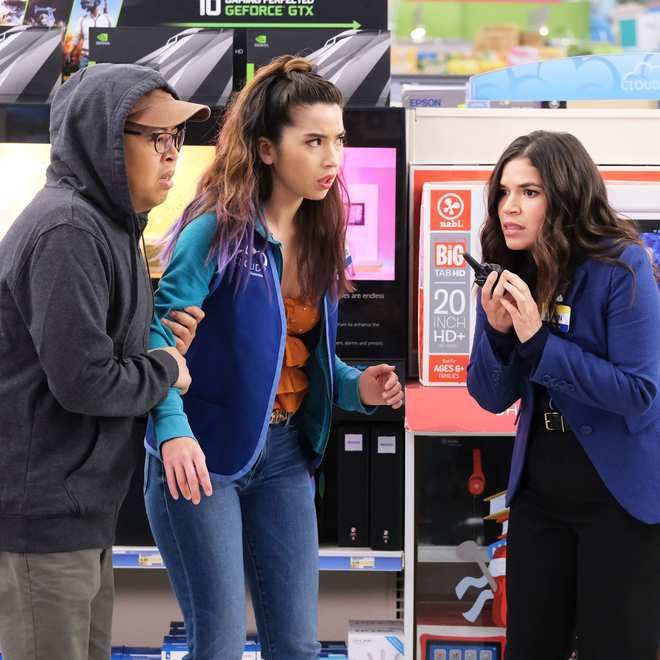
227,478
572,329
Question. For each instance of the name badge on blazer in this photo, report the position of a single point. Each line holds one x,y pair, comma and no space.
561,317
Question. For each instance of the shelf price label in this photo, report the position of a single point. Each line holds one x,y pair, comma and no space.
363,563
150,559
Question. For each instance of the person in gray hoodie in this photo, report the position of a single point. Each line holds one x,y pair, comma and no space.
75,373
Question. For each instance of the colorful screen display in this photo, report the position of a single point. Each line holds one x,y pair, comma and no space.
370,176
369,173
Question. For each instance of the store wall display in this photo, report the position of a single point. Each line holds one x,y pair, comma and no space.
30,63
12,12
197,62
48,13
631,76
357,61
371,15
348,42
451,216
372,320
85,15
36,13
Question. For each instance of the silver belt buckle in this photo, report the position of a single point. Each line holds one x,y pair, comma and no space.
554,421
279,416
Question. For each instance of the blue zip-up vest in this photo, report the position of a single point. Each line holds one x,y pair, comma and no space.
236,358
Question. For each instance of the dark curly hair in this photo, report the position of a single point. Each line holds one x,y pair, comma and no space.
580,223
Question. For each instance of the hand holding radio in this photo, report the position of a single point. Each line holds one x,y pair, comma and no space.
487,276
492,295
482,271
521,306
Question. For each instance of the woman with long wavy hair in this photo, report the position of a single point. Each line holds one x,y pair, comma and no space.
261,249
571,328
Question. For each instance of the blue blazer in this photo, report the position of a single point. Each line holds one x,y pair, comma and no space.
603,375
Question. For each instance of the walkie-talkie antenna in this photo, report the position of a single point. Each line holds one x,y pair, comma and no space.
482,271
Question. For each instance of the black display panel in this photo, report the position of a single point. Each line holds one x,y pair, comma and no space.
30,63
198,63
372,321
346,13
357,61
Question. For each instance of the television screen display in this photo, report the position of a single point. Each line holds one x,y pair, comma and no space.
370,176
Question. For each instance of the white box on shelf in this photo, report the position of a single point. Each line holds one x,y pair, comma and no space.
375,639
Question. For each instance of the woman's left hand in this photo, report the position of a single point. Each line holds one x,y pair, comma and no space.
524,311
380,385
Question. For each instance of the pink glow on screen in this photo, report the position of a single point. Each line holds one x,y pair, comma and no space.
370,176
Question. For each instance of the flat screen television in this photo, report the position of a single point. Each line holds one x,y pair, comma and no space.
372,323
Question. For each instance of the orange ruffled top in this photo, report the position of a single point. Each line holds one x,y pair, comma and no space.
300,318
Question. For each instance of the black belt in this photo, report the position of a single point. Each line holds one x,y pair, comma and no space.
554,421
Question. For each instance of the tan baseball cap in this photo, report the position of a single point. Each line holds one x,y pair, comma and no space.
160,109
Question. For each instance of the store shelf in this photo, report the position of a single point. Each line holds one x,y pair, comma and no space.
439,554
330,559
452,411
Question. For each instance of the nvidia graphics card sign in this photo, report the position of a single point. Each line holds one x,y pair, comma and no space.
348,14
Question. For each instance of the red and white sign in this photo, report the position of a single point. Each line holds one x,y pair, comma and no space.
451,215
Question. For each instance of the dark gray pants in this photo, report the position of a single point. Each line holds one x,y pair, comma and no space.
56,606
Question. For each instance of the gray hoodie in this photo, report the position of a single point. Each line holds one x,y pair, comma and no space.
75,309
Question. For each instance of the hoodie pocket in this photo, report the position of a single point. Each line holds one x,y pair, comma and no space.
45,499
99,485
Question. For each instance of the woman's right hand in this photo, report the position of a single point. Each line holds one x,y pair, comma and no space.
491,300
185,468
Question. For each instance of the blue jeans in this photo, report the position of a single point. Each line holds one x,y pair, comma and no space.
263,527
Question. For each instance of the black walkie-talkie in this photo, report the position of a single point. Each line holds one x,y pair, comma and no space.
482,271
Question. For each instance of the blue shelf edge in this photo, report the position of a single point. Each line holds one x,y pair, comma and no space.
335,559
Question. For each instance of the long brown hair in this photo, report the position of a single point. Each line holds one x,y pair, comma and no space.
580,222
238,183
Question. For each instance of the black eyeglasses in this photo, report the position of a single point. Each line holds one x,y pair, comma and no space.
163,141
